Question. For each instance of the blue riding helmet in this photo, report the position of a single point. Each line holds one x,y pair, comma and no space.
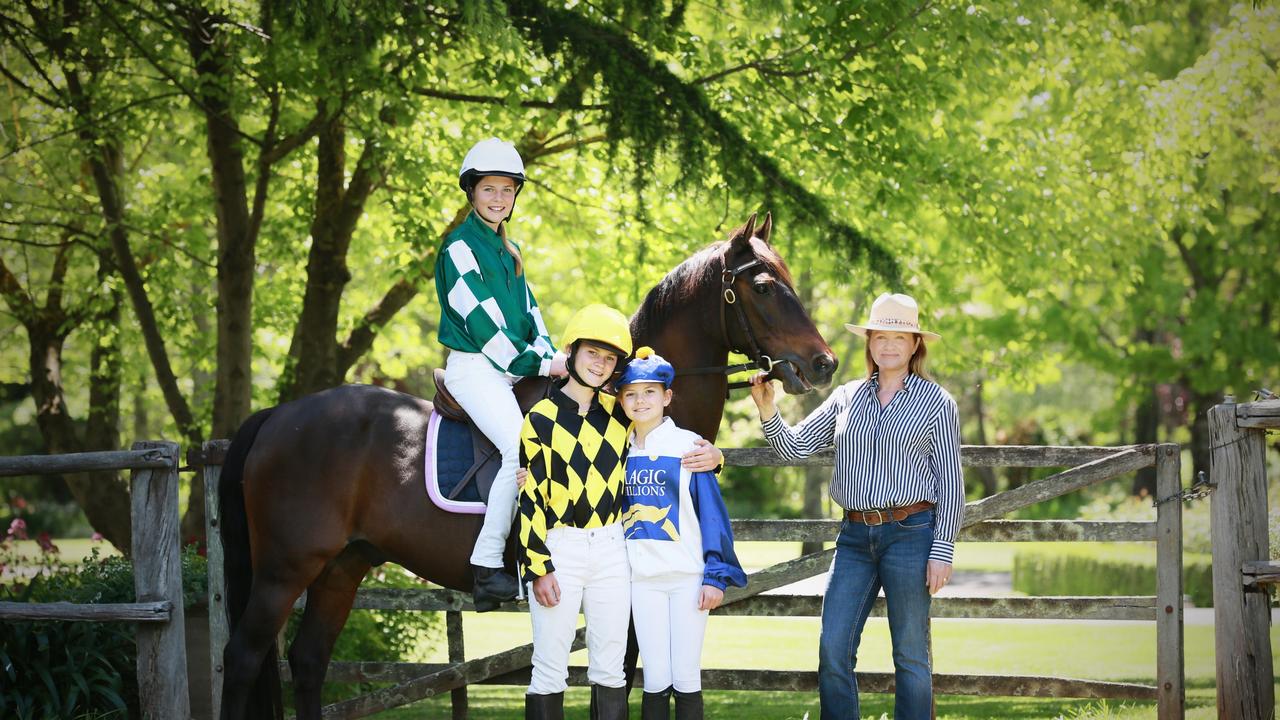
647,366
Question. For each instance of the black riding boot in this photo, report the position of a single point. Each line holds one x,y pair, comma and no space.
608,703
544,707
493,587
689,705
656,706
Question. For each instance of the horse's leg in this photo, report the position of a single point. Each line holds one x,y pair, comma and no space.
274,591
329,601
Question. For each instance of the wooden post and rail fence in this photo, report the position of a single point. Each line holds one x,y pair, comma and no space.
157,569
1241,574
1087,466
1242,570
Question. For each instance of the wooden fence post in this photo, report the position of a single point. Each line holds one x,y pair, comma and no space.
1238,520
218,632
1169,631
157,576
457,655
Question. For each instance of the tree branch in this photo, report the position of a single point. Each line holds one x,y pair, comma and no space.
495,100
287,144
765,66
859,49
51,102
20,303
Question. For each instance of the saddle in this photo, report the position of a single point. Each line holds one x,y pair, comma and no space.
461,462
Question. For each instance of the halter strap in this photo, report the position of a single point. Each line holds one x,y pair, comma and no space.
759,360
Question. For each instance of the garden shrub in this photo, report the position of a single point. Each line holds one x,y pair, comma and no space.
63,669
1105,569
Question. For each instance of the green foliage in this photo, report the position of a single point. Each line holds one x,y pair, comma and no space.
65,670
1105,569
77,669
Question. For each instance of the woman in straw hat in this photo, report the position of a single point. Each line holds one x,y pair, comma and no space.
897,476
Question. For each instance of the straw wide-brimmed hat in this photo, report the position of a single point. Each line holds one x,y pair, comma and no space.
893,312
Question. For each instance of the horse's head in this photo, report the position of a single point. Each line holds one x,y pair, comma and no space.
769,318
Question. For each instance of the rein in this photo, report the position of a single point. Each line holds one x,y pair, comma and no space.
759,361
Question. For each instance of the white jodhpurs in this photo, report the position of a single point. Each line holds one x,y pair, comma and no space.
486,394
594,575
669,628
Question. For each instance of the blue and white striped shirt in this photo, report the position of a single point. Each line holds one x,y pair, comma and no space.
904,453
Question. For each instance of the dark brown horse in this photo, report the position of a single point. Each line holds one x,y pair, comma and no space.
316,491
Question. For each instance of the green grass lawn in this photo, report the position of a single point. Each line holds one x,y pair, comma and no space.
1117,651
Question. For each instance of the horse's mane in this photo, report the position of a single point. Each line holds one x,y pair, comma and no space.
695,275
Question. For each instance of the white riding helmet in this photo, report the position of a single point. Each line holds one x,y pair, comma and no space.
490,157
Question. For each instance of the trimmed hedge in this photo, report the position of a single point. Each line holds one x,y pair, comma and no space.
1105,569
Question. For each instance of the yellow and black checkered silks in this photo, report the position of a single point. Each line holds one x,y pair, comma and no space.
576,463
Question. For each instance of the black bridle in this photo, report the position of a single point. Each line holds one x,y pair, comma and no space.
759,361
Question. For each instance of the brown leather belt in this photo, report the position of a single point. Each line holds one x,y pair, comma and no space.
880,517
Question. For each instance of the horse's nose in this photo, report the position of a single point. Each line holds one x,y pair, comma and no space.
824,366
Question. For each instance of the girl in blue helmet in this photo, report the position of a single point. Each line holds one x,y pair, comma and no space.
679,543
494,330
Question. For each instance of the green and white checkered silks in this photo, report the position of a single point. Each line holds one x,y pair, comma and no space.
488,328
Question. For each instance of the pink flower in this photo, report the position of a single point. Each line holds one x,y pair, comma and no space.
45,543
19,503
18,529
97,537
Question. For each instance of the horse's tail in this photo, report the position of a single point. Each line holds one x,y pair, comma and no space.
265,699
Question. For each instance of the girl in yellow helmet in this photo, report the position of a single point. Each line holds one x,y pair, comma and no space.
574,446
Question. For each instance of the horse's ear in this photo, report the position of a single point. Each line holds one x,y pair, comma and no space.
742,236
766,227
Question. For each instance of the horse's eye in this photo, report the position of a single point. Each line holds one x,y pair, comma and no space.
761,287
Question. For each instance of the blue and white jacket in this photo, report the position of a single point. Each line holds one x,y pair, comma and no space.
675,520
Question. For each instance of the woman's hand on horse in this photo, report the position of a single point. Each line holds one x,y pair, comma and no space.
559,364
938,574
705,458
546,590
710,598
762,394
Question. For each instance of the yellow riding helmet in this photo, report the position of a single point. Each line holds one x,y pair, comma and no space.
600,324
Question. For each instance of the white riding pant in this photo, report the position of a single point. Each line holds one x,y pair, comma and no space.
669,628
594,575
485,393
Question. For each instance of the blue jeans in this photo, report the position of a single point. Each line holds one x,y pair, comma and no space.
894,556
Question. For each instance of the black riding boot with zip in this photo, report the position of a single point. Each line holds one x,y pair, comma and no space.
609,703
544,707
656,706
689,705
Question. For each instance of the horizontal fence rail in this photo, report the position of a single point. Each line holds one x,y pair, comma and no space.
148,459
779,680
1105,607
104,612
970,456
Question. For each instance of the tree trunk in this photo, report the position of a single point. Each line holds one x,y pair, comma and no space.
106,492
236,240
314,350
987,475
1201,403
101,501
1146,423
